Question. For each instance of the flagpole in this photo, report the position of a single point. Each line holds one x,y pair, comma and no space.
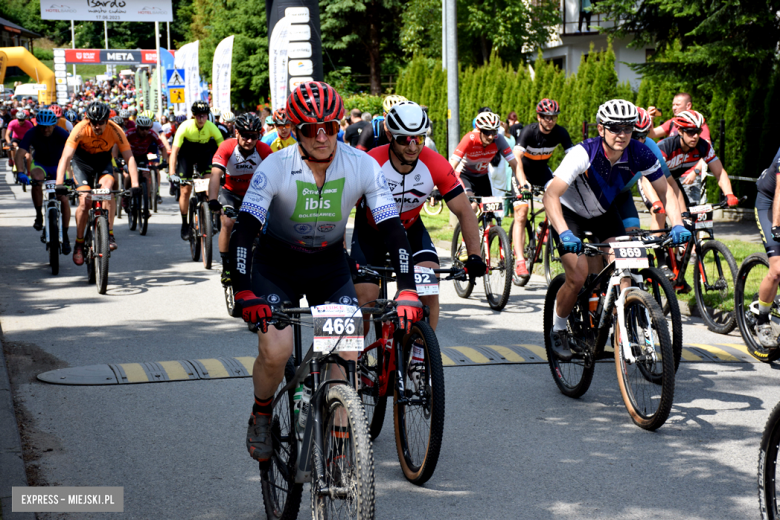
159,71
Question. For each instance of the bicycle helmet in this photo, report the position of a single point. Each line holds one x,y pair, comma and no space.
488,121
200,107
118,120
548,107
144,122
407,118
249,122
124,114
643,124
228,117
72,116
46,118
617,111
57,110
314,102
216,112
21,114
148,113
280,116
181,118
97,111
392,100
688,119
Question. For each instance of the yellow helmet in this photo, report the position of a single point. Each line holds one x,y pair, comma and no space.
392,100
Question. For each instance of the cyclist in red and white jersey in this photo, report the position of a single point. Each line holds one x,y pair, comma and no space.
238,158
412,172
475,151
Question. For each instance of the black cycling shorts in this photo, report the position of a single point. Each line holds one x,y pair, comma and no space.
763,212
86,175
368,247
280,274
538,175
195,157
602,227
478,185
229,199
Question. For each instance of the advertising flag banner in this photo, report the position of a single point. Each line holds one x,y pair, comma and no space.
220,74
107,10
166,63
187,58
277,67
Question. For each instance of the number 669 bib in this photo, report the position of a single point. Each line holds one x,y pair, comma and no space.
337,324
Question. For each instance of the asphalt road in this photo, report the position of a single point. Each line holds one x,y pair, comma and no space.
514,447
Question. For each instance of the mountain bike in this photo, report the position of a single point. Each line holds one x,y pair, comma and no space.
199,217
767,467
52,230
230,299
495,250
751,273
540,244
644,359
318,426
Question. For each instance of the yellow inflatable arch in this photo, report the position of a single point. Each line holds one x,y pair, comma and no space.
22,58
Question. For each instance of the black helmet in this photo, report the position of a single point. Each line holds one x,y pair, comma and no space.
200,107
249,123
98,111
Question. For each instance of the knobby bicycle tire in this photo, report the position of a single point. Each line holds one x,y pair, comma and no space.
155,188
639,391
746,319
194,235
132,212
89,251
767,467
425,382
717,318
462,288
498,278
281,494
663,293
207,233
349,460
53,230
101,253
573,377
369,369
552,261
144,209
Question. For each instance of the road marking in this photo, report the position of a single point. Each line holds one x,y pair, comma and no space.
248,363
216,370
539,351
507,353
687,355
174,370
135,373
446,361
715,351
472,354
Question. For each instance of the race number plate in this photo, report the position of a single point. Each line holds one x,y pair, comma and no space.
426,281
101,194
50,185
702,216
201,185
630,255
494,205
340,325
151,156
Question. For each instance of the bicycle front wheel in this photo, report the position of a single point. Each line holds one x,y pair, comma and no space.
663,293
498,278
715,300
143,209
646,382
194,231
206,233
101,254
752,272
155,189
349,460
53,230
459,256
369,370
552,260
419,412
767,467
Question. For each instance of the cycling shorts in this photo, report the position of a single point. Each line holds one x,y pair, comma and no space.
627,209
603,227
763,212
195,157
16,141
368,247
51,171
280,275
229,199
85,175
539,176
478,185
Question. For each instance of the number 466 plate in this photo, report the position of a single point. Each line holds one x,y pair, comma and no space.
340,325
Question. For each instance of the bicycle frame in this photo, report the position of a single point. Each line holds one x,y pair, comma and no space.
52,204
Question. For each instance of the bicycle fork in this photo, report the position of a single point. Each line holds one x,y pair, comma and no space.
625,344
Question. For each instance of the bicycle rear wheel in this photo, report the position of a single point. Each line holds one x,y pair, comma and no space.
144,208
154,190
552,260
194,231
132,212
53,230
497,279
206,230
646,384
767,467
101,253
752,272
419,422
281,494
459,256
572,377
663,293
716,303
89,249
349,460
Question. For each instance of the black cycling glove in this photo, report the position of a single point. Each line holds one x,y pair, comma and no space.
61,189
215,206
475,266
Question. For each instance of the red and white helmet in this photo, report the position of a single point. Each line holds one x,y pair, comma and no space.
644,123
314,102
548,107
689,119
488,121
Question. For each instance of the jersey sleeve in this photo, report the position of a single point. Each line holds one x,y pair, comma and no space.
157,140
120,139
178,139
665,147
503,148
647,164
75,135
565,139
573,165
26,141
214,132
443,175
708,154
376,191
658,155
261,191
263,149
667,126
460,150
225,150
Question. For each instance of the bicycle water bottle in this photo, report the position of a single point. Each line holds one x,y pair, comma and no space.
305,400
593,305
418,354
297,402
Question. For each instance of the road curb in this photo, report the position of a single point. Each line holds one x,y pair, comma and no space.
12,471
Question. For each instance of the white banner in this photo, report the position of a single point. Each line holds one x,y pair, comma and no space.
277,66
107,10
220,74
187,58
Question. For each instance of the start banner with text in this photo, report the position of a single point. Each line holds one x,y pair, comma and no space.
108,10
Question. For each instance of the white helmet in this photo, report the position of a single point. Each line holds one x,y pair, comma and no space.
217,112
392,100
617,111
407,118
488,121
228,117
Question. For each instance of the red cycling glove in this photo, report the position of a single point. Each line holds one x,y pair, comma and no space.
254,309
731,200
410,310
658,208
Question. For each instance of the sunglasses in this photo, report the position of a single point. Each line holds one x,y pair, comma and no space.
489,133
620,129
548,118
639,135
249,135
313,129
690,131
286,126
406,140
98,123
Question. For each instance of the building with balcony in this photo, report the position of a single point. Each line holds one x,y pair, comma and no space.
573,39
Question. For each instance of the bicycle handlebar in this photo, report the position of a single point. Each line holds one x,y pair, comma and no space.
454,272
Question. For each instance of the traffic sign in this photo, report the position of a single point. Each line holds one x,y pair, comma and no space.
175,78
177,95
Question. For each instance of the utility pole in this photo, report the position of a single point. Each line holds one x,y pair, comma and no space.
443,34
453,104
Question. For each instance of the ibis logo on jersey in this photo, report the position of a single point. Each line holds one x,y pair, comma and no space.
313,204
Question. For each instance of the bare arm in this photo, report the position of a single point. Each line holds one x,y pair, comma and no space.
216,176
19,158
670,203
131,167
62,167
461,207
656,133
519,172
716,167
172,161
552,204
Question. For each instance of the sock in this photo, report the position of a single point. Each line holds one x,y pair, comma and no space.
38,211
184,219
79,240
262,406
559,323
763,312
111,232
